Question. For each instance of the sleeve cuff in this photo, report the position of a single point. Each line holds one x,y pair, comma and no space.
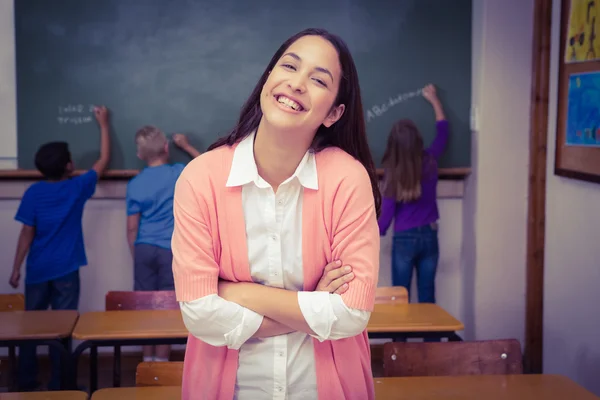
251,321
318,312
24,220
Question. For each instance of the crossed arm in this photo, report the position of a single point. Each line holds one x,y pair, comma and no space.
246,310
228,314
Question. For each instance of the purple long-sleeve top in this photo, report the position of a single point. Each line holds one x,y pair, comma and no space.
424,210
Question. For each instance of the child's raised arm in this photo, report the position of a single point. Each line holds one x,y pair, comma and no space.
182,142
101,114
430,94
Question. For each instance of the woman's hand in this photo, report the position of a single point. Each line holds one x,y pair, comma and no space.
335,278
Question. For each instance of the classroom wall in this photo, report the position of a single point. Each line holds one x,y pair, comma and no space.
482,234
495,203
572,261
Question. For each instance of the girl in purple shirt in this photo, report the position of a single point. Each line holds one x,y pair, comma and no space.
409,190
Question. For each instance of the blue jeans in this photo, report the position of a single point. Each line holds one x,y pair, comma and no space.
416,248
60,294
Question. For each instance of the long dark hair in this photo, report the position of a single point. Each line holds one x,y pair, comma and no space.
348,133
403,162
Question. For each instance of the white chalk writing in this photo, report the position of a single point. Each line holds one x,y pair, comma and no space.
75,114
380,109
74,120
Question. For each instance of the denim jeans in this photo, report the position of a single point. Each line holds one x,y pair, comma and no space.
59,294
416,248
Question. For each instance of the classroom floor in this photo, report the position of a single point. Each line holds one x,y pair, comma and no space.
105,368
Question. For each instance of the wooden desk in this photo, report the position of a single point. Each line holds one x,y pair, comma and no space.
36,325
412,320
56,395
125,328
477,387
50,327
139,393
135,324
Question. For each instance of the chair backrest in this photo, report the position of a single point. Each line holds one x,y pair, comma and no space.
158,300
490,357
159,373
12,302
391,295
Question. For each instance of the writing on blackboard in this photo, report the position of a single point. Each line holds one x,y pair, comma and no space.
74,120
75,114
380,109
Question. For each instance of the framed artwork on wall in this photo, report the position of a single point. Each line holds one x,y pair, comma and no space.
578,119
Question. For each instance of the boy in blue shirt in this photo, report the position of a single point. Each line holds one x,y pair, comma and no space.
150,217
51,211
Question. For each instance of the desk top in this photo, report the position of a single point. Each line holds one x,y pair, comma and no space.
56,395
135,324
415,317
139,393
150,324
50,324
472,387
477,387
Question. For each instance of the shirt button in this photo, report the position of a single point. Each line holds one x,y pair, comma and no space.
279,388
274,237
281,354
280,201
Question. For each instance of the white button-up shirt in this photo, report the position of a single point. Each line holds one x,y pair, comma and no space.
279,367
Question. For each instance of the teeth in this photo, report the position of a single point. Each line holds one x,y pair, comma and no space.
290,103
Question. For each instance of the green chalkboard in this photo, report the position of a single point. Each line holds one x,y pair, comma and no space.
188,65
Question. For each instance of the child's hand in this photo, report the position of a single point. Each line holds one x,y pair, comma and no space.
429,93
101,114
180,140
15,278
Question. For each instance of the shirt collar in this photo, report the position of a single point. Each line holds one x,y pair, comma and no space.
244,170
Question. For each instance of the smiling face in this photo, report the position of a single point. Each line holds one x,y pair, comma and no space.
301,89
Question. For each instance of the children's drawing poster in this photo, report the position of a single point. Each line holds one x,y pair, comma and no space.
584,25
583,110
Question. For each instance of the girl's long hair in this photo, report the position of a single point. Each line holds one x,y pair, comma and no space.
348,133
403,162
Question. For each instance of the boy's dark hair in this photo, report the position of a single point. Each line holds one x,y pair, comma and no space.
52,158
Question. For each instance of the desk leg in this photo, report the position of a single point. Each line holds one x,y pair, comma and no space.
12,357
117,367
93,369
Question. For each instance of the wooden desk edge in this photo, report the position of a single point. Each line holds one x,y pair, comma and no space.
124,336
120,174
416,328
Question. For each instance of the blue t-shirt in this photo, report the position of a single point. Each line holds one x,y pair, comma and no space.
150,194
55,209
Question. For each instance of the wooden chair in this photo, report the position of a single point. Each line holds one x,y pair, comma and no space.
391,295
386,295
159,300
12,302
159,373
490,357
131,300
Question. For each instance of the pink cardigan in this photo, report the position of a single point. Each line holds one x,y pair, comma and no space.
209,241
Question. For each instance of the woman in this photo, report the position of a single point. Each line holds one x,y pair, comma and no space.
409,188
257,219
